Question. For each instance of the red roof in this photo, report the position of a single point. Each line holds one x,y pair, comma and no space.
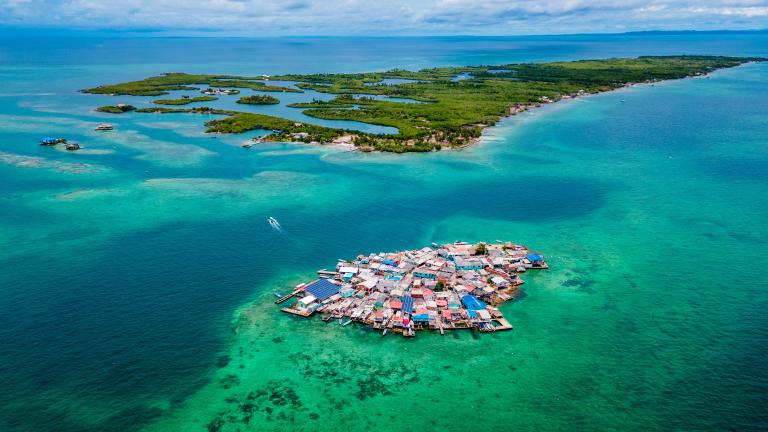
428,292
442,303
396,304
447,314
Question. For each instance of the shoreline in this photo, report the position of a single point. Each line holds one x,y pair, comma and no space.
523,109
454,286
454,113
584,96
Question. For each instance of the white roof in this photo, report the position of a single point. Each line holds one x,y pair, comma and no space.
346,269
308,299
483,314
370,283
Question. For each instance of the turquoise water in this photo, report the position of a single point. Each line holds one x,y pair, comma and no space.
136,275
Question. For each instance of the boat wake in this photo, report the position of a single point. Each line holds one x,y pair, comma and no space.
274,224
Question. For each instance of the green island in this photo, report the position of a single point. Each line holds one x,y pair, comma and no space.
166,83
185,100
116,109
258,100
453,104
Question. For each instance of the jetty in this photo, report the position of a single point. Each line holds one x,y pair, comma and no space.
445,287
284,298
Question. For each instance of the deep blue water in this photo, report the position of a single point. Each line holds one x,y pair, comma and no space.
123,298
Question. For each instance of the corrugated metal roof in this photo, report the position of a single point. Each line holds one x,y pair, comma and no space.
472,303
535,257
322,289
407,304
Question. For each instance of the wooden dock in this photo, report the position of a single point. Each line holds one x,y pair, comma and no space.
304,313
504,324
285,297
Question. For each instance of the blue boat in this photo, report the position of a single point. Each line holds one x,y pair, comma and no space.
50,141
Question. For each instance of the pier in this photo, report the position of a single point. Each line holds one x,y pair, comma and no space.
445,287
299,312
285,298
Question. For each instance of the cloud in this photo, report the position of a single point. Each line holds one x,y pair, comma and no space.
322,17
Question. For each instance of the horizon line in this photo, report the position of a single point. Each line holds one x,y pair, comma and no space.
215,33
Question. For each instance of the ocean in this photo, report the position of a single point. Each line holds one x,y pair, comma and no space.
136,275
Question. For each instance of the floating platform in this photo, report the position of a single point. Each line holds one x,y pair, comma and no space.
299,312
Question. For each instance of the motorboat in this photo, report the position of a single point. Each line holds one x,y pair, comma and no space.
274,223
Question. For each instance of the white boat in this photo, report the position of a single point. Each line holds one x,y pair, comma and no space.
104,127
274,223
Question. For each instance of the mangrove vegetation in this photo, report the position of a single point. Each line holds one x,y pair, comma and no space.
457,103
116,109
166,83
258,100
184,100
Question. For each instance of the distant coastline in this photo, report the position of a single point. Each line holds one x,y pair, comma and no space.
455,104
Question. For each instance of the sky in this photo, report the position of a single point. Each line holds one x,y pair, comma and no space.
389,17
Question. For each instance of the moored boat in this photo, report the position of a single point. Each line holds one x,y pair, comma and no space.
49,141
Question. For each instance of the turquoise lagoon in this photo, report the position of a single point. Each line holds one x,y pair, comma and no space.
136,275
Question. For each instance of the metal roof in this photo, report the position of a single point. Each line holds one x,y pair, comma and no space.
322,289
535,257
407,304
472,303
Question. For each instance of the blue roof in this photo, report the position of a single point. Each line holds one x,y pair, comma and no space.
388,262
535,257
407,304
421,317
472,303
472,314
322,289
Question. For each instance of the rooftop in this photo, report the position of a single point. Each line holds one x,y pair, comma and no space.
417,289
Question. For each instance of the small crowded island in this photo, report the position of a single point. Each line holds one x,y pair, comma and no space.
443,287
